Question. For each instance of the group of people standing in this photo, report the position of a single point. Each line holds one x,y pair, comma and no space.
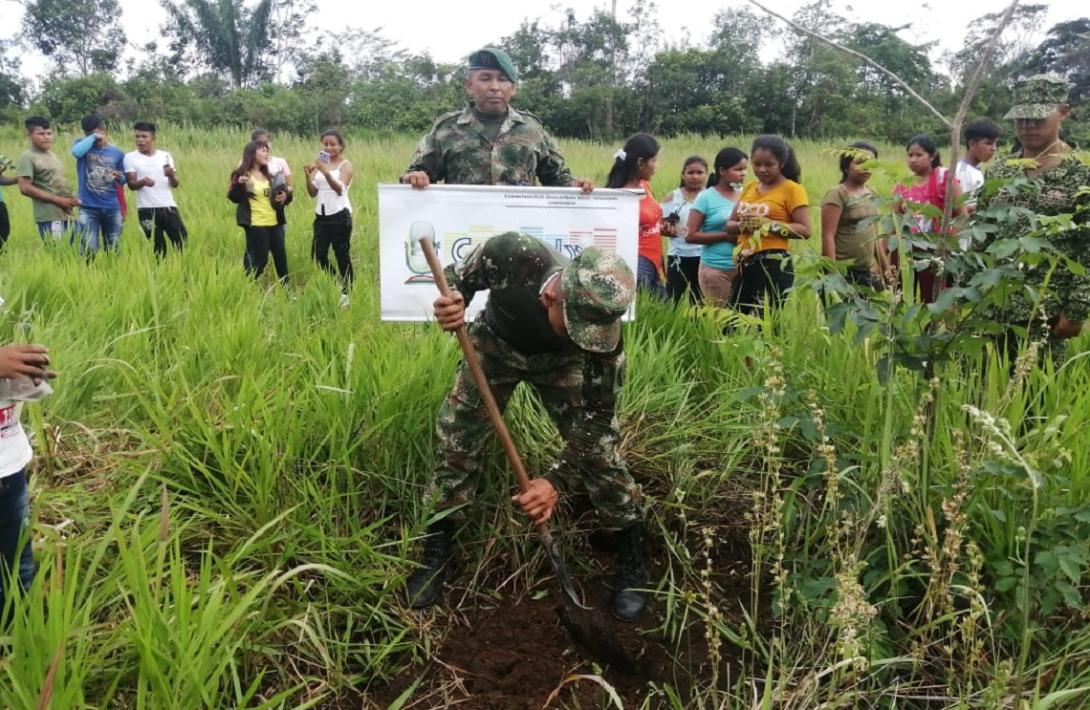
551,322
263,185
728,238
729,243
103,172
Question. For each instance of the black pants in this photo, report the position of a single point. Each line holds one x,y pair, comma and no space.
163,222
334,230
260,241
681,277
5,225
763,278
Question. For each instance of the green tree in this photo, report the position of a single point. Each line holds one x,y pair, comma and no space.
85,34
222,35
1066,51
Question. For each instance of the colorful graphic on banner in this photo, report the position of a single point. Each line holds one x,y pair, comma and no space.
563,218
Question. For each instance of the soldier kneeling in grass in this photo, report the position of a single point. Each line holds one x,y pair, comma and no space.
555,325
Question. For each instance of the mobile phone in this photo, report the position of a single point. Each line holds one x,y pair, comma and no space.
323,157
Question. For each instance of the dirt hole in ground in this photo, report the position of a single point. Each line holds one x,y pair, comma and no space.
515,654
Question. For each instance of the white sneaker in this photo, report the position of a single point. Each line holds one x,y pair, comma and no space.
344,300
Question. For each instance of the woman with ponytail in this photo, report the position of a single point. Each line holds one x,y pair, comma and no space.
929,188
683,258
633,166
772,210
849,220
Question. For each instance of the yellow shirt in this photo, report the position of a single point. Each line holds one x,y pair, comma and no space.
777,205
262,213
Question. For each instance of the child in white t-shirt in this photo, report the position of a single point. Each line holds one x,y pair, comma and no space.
981,137
24,375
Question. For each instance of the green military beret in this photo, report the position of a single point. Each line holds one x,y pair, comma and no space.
598,287
492,58
1036,97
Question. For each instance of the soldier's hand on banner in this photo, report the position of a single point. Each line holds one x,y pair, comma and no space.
539,500
584,184
417,178
450,312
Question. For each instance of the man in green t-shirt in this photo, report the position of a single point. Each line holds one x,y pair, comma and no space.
41,178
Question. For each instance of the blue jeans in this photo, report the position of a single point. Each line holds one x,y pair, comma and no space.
647,278
16,563
95,222
57,230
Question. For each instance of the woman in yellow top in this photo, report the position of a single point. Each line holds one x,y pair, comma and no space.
261,198
771,210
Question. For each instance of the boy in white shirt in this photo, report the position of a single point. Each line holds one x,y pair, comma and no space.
981,137
151,174
24,370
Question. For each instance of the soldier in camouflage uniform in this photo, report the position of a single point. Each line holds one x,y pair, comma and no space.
555,325
1050,188
489,143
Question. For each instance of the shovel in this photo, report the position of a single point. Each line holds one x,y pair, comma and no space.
588,629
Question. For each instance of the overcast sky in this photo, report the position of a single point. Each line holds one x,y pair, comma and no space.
449,30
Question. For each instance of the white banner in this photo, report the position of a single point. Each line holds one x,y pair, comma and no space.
465,215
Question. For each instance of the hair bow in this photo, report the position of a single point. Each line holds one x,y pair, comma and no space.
620,155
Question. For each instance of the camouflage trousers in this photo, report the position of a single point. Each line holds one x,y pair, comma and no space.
579,393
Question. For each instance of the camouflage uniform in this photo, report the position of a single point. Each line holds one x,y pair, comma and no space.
1051,192
1046,193
578,387
458,151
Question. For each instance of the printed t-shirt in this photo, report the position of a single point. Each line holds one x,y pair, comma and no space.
716,210
262,213
159,194
98,171
857,229
677,245
776,204
650,246
45,173
15,451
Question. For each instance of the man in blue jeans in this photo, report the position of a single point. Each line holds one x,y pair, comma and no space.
100,168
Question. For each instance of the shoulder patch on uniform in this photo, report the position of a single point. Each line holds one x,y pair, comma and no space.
446,117
531,116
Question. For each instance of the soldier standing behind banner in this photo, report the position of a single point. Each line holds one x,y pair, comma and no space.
1053,188
556,326
490,143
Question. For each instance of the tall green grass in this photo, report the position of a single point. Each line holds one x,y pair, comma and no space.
230,477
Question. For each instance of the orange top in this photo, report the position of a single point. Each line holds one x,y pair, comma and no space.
776,204
650,227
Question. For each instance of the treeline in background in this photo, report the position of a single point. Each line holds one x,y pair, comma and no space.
233,62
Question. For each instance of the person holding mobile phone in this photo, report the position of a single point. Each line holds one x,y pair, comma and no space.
152,175
261,197
328,179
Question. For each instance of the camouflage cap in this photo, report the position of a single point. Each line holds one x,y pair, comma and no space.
598,288
492,58
1036,97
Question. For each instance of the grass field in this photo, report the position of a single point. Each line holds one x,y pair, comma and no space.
228,484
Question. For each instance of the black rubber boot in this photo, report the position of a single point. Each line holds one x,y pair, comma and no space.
627,603
425,584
